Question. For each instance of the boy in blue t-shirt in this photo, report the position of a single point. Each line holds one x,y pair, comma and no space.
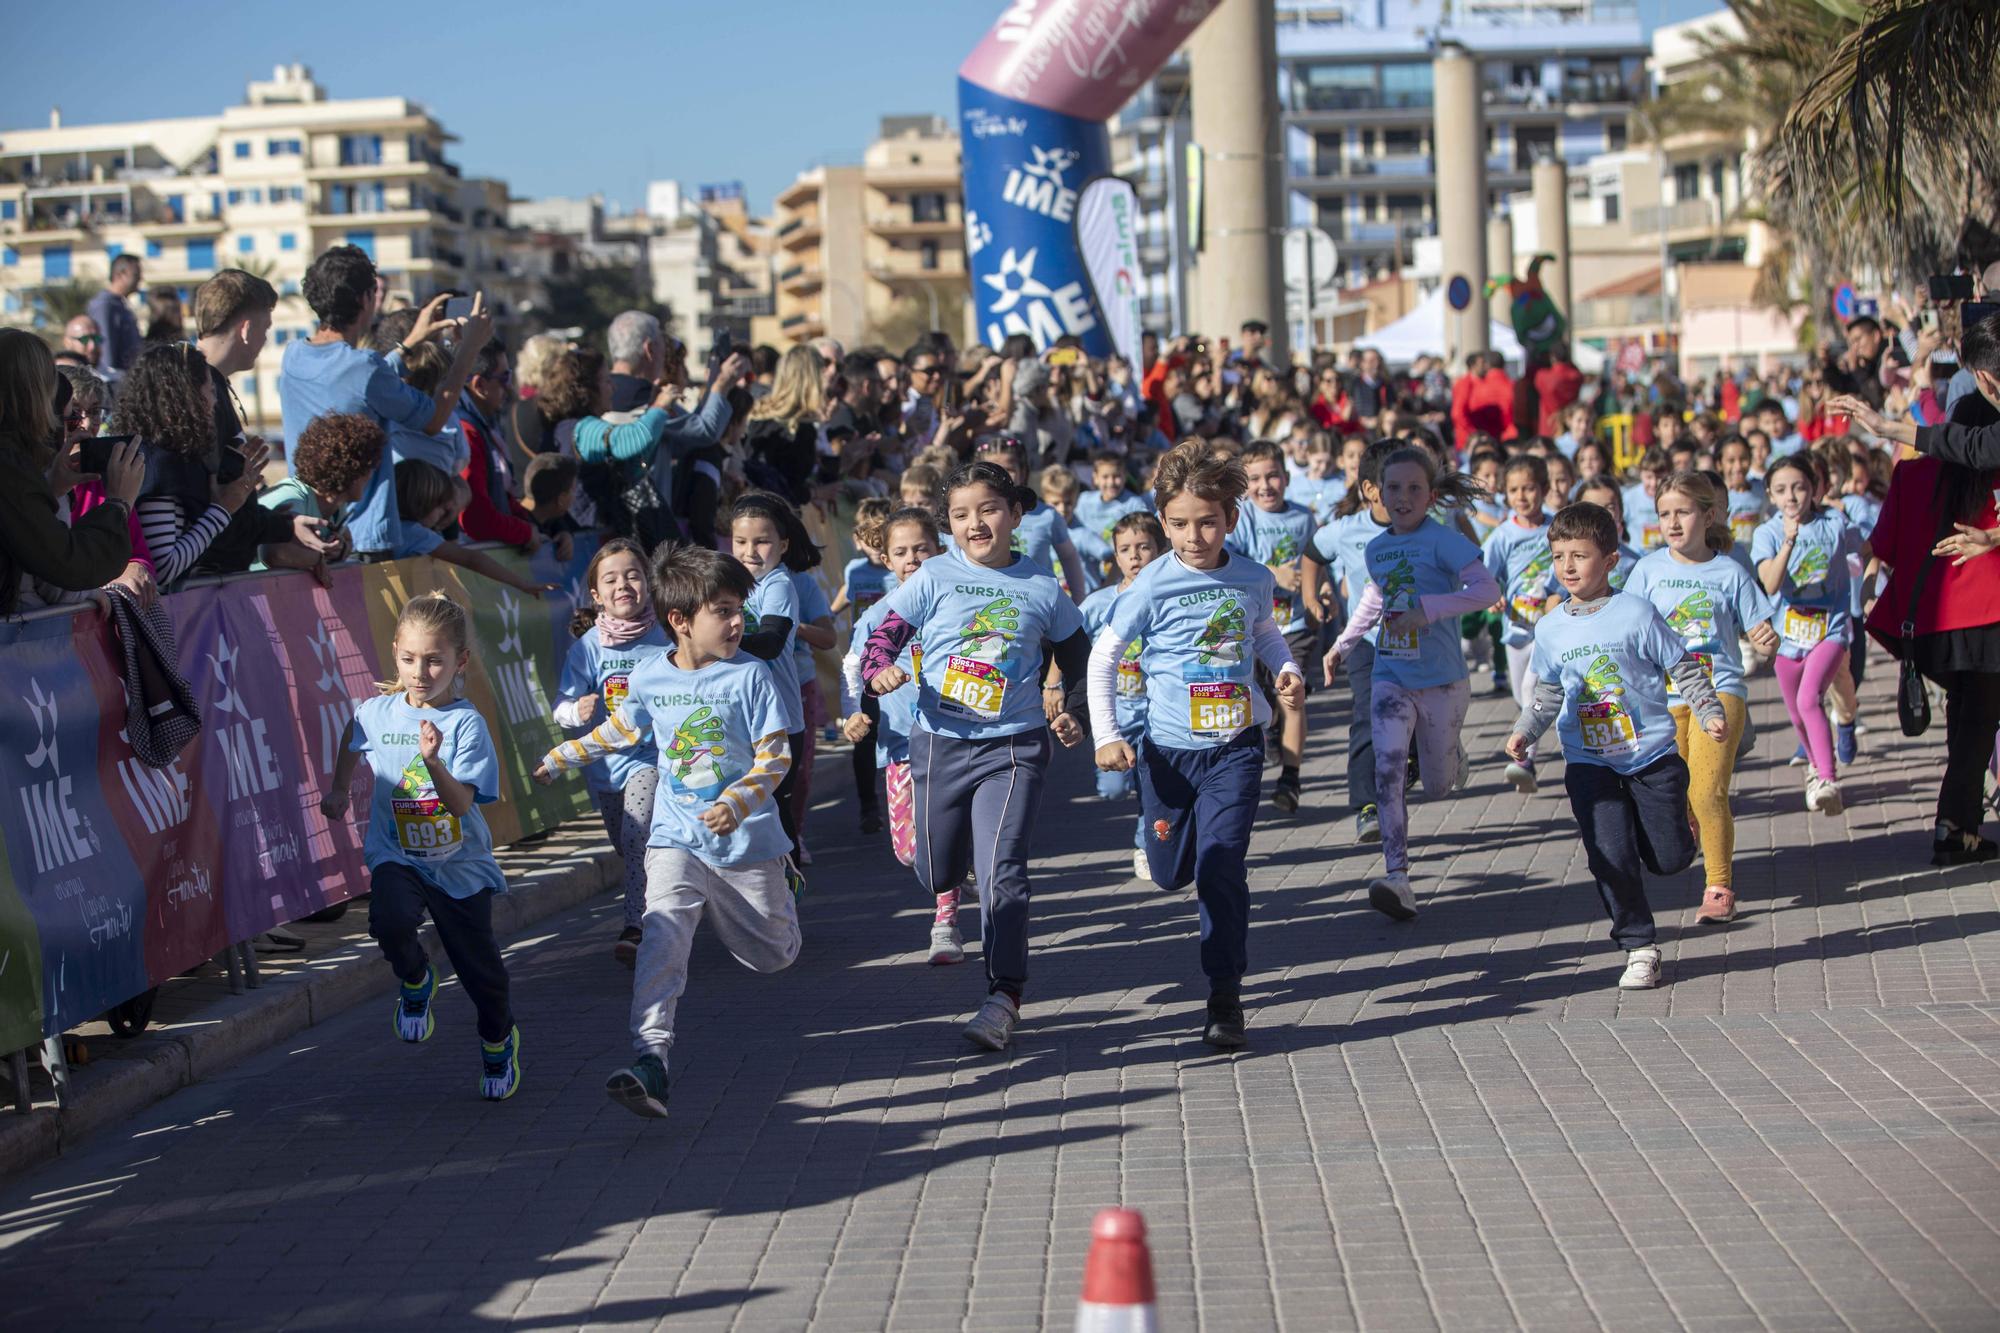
1277,533
1600,666
1517,555
1137,540
717,846
1098,510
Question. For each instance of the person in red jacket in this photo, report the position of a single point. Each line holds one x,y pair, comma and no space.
1557,385
492,514
1483,400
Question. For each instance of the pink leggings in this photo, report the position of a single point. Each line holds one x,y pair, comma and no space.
1429,720
1802,680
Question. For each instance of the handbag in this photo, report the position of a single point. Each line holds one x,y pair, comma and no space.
1913,701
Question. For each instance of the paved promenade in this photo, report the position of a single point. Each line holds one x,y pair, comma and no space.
1456,1122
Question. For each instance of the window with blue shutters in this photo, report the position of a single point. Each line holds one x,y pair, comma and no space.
55,262
287,241
153,249
6,210
364,241
113,250
242,148
177,207
246,245
201,256
9,256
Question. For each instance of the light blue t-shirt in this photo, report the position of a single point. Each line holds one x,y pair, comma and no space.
1747,508
1131,703
1407,567
1342,546
1813,600
1863,511
591,668
896,711
319,379
1040,529
1274,541
1520,561
777,595
1319,494
1783,446
865,583
1612,666
444,451
983,632
813,604
707,724
1642,517
1099,515
1199,657
407,823
1709,605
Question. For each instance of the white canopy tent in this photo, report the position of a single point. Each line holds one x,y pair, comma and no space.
1425,329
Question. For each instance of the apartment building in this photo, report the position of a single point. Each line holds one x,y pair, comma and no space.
1559,79
266,185
876,251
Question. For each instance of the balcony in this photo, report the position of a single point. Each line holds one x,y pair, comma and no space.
902,223
912,175
950,268
387,217
1379,233
1684,215
356,171
801,279
799,233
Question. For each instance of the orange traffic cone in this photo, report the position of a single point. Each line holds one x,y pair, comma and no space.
1117,1277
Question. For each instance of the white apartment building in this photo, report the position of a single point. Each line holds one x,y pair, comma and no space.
265,186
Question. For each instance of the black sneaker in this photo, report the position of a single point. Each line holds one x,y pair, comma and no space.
1949,847
1286,795
871,823
1225,1024
626,950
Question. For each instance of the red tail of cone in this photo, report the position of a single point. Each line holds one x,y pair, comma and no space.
1117,1277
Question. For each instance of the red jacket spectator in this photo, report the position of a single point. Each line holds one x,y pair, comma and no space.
1557,386
1732,399
1483,403
1153,388
1955,596
492,515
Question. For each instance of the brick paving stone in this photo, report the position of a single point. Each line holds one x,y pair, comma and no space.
1452,1123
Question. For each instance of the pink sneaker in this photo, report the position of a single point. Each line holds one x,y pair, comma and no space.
1717,906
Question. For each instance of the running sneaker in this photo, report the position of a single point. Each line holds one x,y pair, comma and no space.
626,950
414,1021
1392,896
1799,757
993,1026
871,823
1951,847
1225,1023
1368,824
1522,775
1285,795
1718,905
1500,683
946,947
1141,870
1461,769
1642,970
500,1073
1822,797
794,880
641,1088
1845,746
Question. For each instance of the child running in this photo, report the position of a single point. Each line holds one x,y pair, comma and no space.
1340,549
717,846
988,618
615,633
1422,577
1709,601
1203,615
428,848
1641,517
910,537
1801,558
1042,534
866,581
1600,663
1275,532
768,539
1136,541
1517,555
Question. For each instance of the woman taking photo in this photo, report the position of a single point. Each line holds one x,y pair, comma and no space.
783,441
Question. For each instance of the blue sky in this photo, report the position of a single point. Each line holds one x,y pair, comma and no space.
553,98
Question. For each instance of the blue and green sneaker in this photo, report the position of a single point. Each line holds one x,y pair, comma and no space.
413,1007
641,1089
500,1076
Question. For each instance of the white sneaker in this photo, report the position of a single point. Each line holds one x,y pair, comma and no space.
1822,797
946,947
1392,896
1523,778
1642,970
993,1026
1140,870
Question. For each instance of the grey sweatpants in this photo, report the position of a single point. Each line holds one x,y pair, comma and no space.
976,804
755,917
628,822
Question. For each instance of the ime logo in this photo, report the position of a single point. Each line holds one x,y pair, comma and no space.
57,835
520,688
1038,186
253,768
334,708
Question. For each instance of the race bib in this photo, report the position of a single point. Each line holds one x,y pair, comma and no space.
1398,646
1218,708
1606,728
615,690
1743,527
1131,680
1803,629
973,688
1528,609
1649,536
425,830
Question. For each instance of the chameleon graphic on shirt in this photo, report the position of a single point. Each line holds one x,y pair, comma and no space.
992,627
1811,565
698,744
1694,618
1607,724
1284,553
1400,583
1222,637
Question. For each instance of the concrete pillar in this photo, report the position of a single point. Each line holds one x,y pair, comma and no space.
1499,260
1551,185
1233,63
1459,133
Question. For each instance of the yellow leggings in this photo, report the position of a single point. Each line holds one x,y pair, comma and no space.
1711,763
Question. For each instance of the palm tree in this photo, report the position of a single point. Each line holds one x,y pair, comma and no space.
54,304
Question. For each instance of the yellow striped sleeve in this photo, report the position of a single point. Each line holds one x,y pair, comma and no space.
774,760
614,733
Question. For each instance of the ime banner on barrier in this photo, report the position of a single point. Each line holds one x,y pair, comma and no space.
115,876
1033,98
